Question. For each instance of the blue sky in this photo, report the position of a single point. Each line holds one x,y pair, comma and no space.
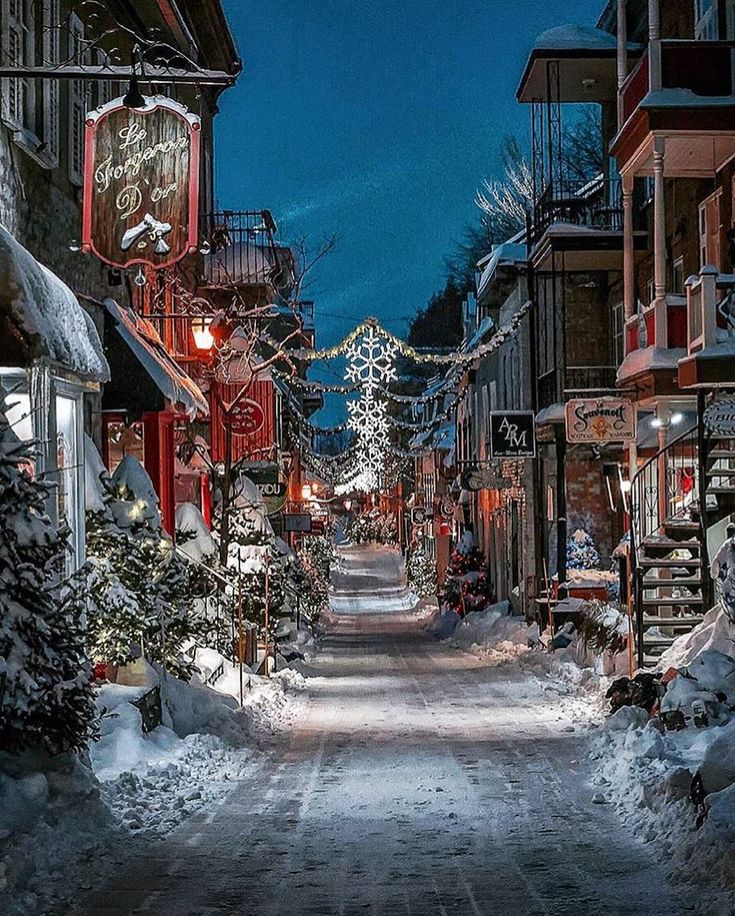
375,120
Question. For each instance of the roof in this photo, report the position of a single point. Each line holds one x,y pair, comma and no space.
143,341
39,311
589,71
508,254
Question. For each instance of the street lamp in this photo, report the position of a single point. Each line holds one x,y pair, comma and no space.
202,333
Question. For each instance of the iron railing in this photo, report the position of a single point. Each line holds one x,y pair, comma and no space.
597,204
662,493
243,250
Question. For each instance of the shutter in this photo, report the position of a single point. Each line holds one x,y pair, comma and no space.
13,91
51,22
77,103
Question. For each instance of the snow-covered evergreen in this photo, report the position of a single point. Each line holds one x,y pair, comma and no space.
46,697
582,552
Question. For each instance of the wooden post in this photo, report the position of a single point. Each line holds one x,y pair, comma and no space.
628,253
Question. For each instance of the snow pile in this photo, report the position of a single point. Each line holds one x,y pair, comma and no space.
672,776
57,818
493,633
192,535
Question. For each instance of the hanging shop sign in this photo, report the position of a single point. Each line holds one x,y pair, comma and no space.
719,418
446,507
512,434
245,417
600,420
418,516
141,183
477,478
298,522
271,483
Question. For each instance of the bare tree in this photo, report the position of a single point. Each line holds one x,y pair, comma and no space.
505,201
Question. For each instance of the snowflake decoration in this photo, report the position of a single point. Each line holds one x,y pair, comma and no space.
371,360
368,418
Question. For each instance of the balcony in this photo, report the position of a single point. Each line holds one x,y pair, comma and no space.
655,341
703,68
683,91
558,385
582,222
244,253
710,339
596,204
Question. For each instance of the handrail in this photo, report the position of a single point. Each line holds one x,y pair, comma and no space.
649,470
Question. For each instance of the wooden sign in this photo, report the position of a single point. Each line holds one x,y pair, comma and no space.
245,417
600,420
141,183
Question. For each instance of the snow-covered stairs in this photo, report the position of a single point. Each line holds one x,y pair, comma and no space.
671,581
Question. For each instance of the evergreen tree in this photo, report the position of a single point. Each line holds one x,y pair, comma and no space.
421,572
582,552
141,592
46,695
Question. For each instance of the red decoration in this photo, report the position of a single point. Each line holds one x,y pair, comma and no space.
245,418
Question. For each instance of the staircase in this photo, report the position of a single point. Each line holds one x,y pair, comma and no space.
672,588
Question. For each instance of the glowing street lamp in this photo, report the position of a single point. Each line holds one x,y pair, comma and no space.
202,333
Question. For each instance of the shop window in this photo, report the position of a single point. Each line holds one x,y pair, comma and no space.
70,466
20,418
124,439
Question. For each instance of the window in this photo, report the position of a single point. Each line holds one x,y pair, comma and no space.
706,28
618,333
677,276
70,470
18,38
30,35
709,230
123,440
730,19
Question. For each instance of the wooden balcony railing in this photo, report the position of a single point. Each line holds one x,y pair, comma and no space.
710,309
705,68
661,324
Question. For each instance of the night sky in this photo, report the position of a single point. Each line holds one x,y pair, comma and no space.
375,120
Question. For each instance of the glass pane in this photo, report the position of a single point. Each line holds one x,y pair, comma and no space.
124,440
67,464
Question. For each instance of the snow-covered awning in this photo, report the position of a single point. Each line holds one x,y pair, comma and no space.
509,254
142,340
41,317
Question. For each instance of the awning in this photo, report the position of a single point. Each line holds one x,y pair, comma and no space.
141,341
41,318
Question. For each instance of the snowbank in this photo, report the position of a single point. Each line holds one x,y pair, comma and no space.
58,815
676,788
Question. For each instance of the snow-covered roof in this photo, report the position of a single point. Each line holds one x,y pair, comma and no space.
45,313
508,254
577,38
170,379
486,326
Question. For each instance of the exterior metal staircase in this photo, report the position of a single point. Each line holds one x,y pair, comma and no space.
676,496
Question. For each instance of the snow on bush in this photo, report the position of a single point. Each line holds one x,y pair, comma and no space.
46,695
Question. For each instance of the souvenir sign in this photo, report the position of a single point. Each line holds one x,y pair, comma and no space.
600,420
141,183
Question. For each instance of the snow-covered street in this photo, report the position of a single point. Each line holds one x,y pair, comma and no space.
419,779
